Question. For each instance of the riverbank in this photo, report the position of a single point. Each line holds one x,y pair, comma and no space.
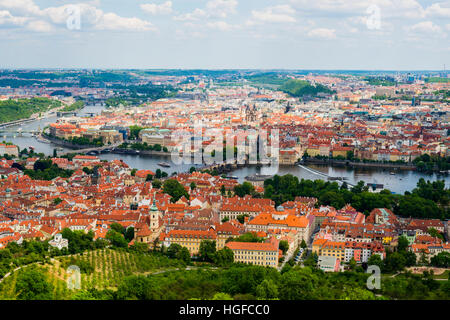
353,164
16,122
65,143
403,180
142,152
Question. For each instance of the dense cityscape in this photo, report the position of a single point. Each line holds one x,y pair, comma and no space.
209,159
63,205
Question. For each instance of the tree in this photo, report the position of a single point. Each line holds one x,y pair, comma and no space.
156,184
241,218
375,260
410,258
267,289
32,284
207,250
78,240
403,244
129,234
149,177
192,186
134,132
243,189
423,260
284,246
311,261
116,239
134,287
435,233
352,264
357,294
441,260
133,172
222,190
117,227
184,255
224,257
173,250
303,244
350,155
269,191
222,296
139,247
175,189
88,170
297,284
248,237
83,295
394,261
157,147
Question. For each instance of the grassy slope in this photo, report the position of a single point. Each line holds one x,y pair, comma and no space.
110,266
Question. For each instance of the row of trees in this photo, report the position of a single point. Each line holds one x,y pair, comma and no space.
74,106
143,147
427,163
428,200
86,141
46,170
256,282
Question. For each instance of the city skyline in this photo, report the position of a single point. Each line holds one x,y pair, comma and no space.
226,34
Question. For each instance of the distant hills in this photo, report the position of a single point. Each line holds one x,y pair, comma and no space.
301,88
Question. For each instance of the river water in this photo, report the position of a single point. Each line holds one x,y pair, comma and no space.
399,183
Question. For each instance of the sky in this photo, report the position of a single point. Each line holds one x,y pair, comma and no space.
226,34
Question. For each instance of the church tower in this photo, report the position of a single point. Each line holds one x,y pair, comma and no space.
154,216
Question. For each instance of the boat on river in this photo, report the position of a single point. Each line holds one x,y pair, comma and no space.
164,164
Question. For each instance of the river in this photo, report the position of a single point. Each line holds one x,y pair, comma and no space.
399,183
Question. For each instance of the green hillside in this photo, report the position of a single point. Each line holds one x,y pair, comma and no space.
11,110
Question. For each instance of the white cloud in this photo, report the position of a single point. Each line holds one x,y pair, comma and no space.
45,20
153,8
322,33
7,19
424,30
213,9
221,8
439,10
277,14
221,25
409,9
197,14
23,7
39,26
425,27
111,21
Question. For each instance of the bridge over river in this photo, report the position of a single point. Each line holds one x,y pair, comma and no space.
338,180
96,150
